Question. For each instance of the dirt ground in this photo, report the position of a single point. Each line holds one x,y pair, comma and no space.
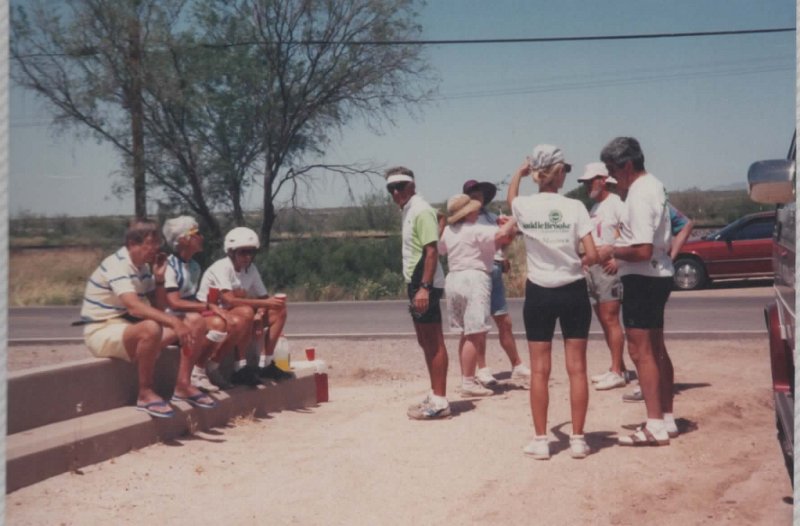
359,460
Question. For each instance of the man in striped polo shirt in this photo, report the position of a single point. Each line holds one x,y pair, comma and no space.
122,312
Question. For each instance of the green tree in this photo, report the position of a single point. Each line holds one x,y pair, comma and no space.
211,97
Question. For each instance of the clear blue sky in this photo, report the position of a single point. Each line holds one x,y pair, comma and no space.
703,108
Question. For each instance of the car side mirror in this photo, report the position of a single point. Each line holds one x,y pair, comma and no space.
772,182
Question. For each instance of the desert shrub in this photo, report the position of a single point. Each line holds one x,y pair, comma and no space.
325,268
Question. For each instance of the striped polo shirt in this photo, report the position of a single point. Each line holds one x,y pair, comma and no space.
115,276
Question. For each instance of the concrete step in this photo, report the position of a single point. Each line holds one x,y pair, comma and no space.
73,440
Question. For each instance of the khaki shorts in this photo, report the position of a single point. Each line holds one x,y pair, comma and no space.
603,287
105,339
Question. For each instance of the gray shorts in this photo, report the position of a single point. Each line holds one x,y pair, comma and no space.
603,287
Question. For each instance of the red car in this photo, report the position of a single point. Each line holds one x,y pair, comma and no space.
743,249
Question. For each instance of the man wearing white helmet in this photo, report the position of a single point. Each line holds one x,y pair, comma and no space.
242,290
603,282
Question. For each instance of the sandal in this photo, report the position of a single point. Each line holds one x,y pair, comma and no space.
637,427
642,437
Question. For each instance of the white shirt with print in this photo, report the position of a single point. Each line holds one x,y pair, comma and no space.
183,276
552,226
606,217
646,221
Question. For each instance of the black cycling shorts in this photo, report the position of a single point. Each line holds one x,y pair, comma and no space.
569,304
644,301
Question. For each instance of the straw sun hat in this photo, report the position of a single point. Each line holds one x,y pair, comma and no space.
459,206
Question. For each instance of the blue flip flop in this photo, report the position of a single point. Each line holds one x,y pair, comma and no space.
148,408
194,400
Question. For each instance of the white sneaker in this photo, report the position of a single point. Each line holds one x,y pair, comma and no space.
520,372
475,389
578,448
201,381
538,448
598,377
485,377
610,381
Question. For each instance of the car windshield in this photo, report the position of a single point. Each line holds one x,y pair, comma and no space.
755,230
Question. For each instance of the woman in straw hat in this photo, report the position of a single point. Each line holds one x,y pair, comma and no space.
553,227
470,249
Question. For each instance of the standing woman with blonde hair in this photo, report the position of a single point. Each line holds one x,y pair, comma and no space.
553,227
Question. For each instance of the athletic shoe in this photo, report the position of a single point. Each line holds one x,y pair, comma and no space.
578,448
273,372
633,396
216,378
538,448
201,381
475,389
425,400
427,411
610,381
630,375
247,375
485,377
597,377
520,372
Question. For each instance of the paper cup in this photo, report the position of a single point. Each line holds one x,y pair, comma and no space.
311,354
213,295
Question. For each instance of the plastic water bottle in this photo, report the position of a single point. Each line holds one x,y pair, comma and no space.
282,356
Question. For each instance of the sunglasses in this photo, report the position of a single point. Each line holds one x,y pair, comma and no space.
247,251
396,187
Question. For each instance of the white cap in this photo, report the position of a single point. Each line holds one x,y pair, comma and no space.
593,170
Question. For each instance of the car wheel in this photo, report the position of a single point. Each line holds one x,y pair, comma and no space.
689,274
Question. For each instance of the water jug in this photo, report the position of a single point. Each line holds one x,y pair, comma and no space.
282,356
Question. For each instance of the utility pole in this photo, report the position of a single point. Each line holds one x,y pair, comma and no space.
135,109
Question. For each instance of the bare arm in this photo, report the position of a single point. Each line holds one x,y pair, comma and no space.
513,186
680,238
234,300
139,309
505,235
590,256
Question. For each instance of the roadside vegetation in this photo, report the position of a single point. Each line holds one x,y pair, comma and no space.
315,255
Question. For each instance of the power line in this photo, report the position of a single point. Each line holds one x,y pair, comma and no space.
529,40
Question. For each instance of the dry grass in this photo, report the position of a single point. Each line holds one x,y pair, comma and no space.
517,274
50,277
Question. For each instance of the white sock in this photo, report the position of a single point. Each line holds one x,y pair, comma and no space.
240,364
669,421
198,370
467,381
264,360
657,427
439,401
540,437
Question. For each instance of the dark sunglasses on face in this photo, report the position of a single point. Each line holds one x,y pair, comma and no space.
247,251
396,187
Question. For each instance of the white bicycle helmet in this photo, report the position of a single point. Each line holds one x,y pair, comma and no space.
239,237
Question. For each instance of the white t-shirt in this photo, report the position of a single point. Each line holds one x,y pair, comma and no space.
468,246
646,221
223,276
183,276
553,226
606,217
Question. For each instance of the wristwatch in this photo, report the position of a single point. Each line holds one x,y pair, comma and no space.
427,285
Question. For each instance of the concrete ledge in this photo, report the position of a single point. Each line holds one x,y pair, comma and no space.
71,443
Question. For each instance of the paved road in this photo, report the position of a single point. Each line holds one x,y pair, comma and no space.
731,311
